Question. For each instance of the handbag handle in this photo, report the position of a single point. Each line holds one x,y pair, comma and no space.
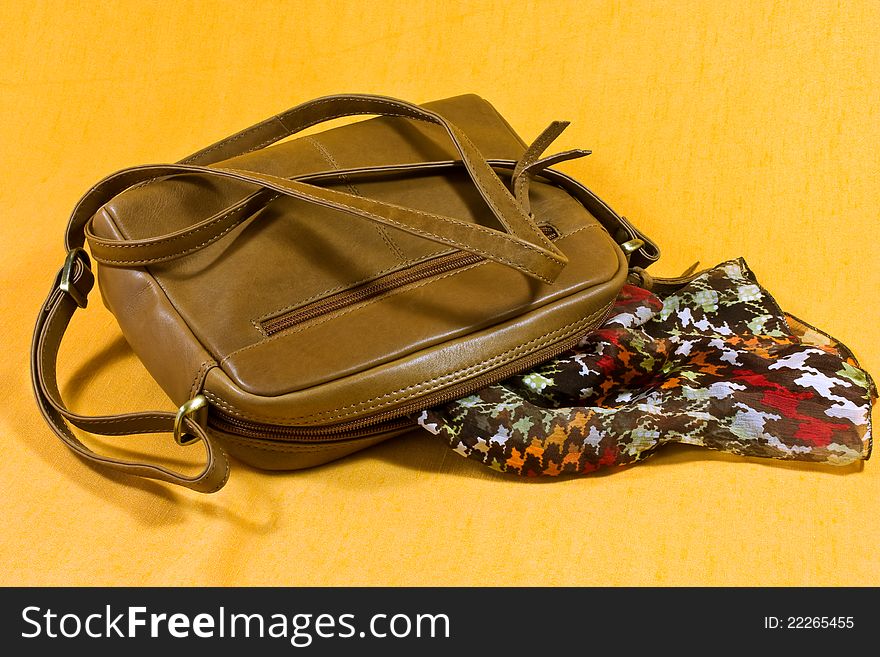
523,247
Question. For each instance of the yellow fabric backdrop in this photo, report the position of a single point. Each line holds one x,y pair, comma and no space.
722,129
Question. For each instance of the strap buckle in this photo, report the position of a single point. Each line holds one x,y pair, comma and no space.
66,282
631,246
197,407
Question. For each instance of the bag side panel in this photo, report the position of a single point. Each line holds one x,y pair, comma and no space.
152,327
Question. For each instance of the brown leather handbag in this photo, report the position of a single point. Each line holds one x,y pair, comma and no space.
305,300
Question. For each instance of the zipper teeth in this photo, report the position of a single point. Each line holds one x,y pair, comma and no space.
230,424
378,287
383,421
369,290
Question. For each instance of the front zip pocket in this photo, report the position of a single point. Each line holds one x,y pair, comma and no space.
378,287
400,417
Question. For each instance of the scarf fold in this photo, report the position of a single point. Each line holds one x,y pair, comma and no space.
712,362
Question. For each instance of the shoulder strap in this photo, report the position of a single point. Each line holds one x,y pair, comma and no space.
520,251
523,247
69,292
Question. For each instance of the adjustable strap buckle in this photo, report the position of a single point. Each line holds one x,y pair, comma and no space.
66,282
197,407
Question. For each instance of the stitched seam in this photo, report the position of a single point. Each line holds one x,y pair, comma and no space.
173,256
210,467
345,311
520,186
120,179
210,223
275,313
221,455
392,246
390,243
332,161
358,306
530,157
268,447
339,288
543,141
480,181
562,180
164,474
247,176
435,119
270,140
433,384
467,247
413,112
532,153
467,225
54,343
227,141
49,347
112,420
114,179
230,140
225,475
196,482
577,230
49,361
132,432
199,374
478,369
545,163
495,235
534,230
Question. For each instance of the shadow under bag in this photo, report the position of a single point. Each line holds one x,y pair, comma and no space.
304,300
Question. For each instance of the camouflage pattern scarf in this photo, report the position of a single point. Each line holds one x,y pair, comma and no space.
712,362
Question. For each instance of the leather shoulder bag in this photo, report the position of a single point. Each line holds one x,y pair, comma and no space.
304,300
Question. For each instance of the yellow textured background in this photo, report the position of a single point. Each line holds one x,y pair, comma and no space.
721,129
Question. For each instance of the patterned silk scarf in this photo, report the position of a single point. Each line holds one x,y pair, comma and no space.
711,362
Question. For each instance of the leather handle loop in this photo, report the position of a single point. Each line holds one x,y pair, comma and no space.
523,247
55,315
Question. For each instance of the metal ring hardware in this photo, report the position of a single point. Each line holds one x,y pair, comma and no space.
197,407
66,283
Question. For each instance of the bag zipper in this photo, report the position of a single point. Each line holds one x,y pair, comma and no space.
378,287
395,418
